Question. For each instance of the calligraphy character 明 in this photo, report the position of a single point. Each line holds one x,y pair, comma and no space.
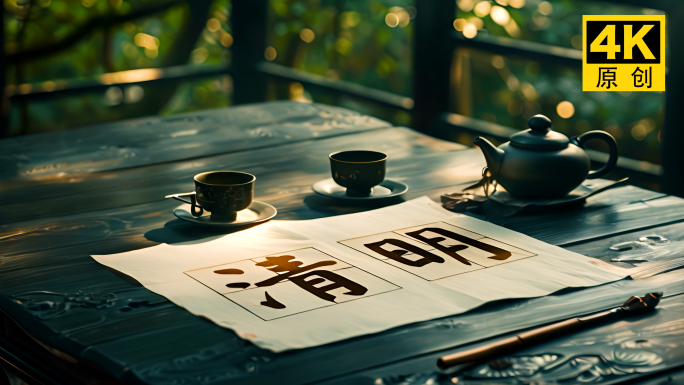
499,254
398,255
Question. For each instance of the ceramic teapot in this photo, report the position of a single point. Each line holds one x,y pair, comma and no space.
539,163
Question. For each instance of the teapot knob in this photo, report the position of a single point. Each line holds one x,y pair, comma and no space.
539,123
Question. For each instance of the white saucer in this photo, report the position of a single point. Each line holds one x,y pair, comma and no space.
387,189
256,212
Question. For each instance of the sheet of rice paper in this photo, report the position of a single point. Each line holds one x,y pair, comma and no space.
297,284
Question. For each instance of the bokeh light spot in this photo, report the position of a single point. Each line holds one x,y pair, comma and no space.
113,96
545,8
151,53
392,20
648,123
512,28
517,3
133,94
542,22
465,5
639,132
500,15
199,55
482,8
296,90
307,35
25,88
565,109
459,24
49,86
469,31
512,82
343,46
402,15
350,19
270,53
226,40
529,92
213,24
477,22
144,40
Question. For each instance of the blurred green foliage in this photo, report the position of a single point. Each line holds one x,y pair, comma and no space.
363,41
149,42
350,40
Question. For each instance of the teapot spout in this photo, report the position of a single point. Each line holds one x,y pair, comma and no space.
492,155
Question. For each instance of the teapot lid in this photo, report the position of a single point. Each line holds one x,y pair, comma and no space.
539,136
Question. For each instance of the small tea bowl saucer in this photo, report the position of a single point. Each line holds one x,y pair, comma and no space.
387,189
257,212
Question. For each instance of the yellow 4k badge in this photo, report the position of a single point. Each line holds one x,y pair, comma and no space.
623,53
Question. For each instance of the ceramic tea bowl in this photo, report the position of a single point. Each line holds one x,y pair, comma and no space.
358,171
224,193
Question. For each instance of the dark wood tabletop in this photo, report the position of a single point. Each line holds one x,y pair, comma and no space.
100,190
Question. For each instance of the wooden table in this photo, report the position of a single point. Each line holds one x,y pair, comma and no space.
99,190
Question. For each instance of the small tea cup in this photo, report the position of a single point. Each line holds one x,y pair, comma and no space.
223,193
358,171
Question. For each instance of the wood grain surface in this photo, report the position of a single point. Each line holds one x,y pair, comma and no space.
145,141
97,201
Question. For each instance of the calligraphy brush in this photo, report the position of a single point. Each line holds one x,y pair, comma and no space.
633,305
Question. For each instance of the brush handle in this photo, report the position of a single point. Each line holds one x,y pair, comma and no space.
525,339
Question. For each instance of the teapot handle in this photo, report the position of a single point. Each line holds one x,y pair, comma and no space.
582,140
